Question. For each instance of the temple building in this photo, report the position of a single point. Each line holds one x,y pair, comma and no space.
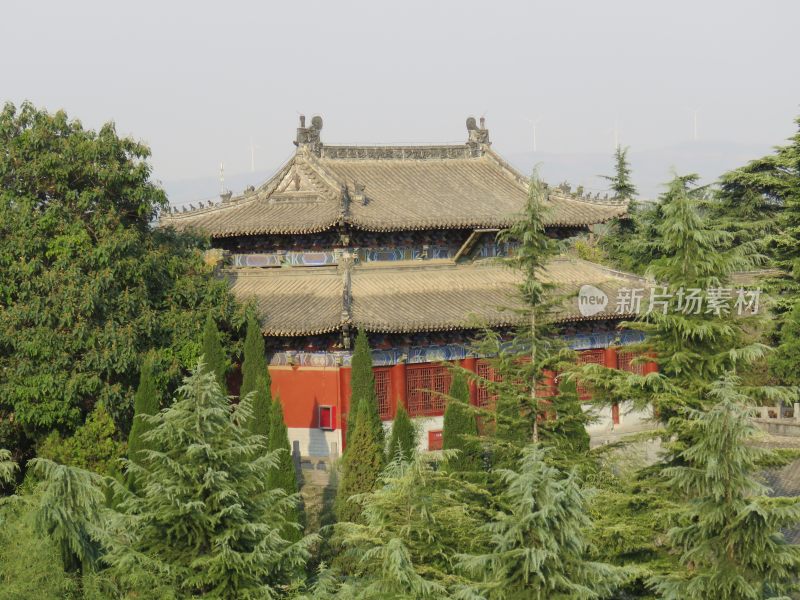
398,241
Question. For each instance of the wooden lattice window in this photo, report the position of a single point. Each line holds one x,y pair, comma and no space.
485,371
382,391
596,357
425,385
625,362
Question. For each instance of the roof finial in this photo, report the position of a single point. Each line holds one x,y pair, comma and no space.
478,139
308,137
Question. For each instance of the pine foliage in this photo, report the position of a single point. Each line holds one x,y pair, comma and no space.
360,467
403,441
69,512
147,401
730,531
460,429
785,360
411,552
538,542
284,476
203,518
362,385
213,353
7,467
620,183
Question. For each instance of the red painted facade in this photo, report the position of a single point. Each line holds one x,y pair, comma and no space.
303,390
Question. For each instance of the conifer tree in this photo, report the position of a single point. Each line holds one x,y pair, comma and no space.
692,347
284,477
69,512
567,432
538,541
254,363
403,440
362,385
460,429
213,353
784,362
203,517
147,401
255,377
7,467
620,182
360,467
730,531
415,524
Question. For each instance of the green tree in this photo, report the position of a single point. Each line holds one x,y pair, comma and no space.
730,532
404,436
620,182
284,477
760,203
214,353
539,548
88,286
692,347
460,429
93,446
362,386
255,377
7,467
203,518
360,467
784,362
566,433
412,552
254,363
69,512
147,401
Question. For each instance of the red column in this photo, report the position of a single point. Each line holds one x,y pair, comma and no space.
651,366
471,364
611,360
398,391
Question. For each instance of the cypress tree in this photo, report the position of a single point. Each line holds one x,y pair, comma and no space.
404,436
362,385
283,476
460,428
147,401
213,353
204,520
255,377
360,468
730,531
254,363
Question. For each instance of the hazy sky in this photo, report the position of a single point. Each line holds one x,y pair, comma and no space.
197,80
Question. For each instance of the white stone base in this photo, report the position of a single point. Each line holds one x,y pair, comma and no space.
316,442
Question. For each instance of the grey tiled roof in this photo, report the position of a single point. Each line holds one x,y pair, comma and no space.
411,296
404,188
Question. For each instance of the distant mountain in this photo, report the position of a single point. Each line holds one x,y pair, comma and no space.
651,169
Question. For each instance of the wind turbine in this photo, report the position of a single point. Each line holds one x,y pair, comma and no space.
615,133
533,123
253,149
694,123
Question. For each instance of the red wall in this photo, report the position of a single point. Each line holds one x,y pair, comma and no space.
303,389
